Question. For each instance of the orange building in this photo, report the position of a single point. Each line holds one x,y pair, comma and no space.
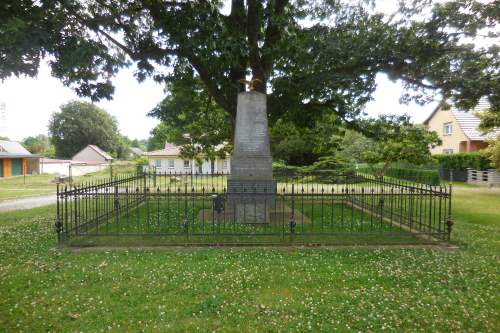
15,160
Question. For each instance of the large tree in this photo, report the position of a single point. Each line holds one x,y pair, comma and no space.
79,124
313,57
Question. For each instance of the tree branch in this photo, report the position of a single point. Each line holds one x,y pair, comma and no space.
207,79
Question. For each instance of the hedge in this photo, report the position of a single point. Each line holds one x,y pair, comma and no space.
430,177
462,161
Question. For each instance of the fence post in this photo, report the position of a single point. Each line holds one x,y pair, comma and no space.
116,201
58,223
449,221
186,220
292,221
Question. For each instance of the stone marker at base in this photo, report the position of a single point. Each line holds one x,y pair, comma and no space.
251,190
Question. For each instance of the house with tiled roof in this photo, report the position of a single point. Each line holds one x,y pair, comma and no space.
170,160
459,129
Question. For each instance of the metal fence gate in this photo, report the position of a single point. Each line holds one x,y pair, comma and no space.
314,208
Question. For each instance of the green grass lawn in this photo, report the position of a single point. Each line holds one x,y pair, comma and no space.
44,288
18,187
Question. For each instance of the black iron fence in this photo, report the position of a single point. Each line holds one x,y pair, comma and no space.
316,208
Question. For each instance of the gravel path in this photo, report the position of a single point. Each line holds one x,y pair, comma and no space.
27,203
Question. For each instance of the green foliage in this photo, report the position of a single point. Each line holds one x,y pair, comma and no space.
79,124
326,170
325,67
39,145
491,121
326,163
191,119
463,161
158,137
128,143
281,168
292,144
141,161
430,177
353,146
398,140
492,152
4,138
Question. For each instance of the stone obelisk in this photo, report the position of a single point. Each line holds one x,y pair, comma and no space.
251,189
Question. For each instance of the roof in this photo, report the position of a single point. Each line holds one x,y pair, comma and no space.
13,149
169,150
426,121
137,151
97,150
45,160
469,122
101,152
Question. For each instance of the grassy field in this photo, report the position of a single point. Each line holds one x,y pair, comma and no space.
19,187
33,185
44,288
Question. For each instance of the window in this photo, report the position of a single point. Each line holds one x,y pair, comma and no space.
224,164
186,164
447,129
447,151
2,149
158,164
171,164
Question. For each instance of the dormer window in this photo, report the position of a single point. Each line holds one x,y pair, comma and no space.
447,129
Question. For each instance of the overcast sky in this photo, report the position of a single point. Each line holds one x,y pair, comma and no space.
29,102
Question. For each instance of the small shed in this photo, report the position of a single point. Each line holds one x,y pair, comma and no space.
92,154
15,160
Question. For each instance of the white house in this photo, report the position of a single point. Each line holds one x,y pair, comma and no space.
169,160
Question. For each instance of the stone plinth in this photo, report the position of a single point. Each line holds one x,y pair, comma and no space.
251,189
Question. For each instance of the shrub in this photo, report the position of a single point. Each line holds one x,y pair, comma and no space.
325,170
423,176
462,161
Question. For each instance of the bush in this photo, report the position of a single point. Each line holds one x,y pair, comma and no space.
326,170
462,161
423,176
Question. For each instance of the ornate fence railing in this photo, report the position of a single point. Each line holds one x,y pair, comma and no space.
313,208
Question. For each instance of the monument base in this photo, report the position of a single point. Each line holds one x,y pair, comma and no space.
251,201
